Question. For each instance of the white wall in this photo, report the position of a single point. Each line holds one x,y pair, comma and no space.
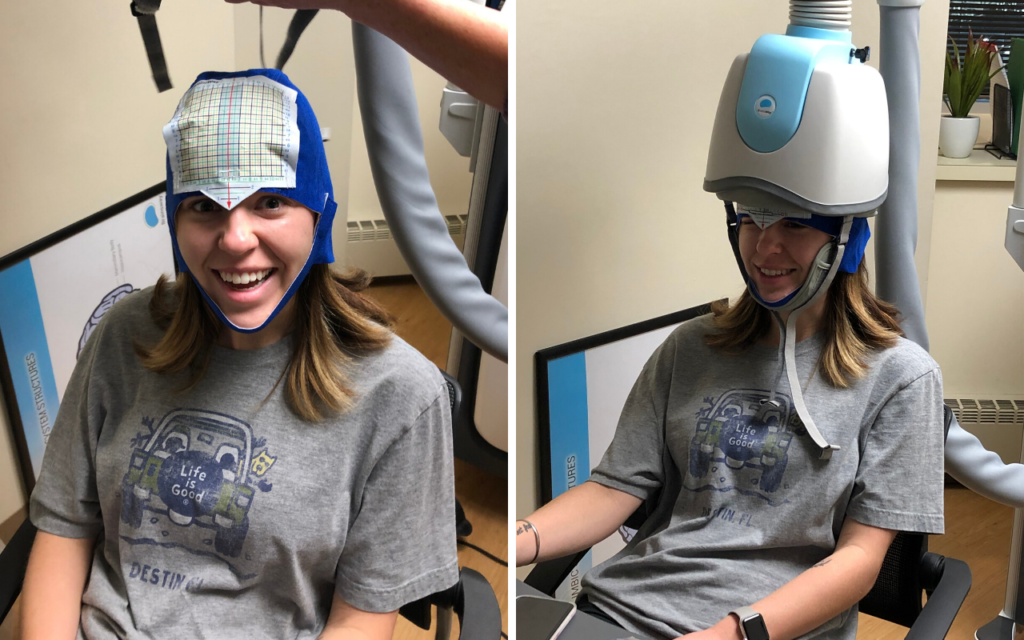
976,299
449,172
615,110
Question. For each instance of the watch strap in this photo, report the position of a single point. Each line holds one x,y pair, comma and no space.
744,613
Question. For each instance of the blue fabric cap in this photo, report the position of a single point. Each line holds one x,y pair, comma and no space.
833,225
859,235
313,188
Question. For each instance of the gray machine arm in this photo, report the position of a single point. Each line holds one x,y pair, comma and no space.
395,145
981,470
896,225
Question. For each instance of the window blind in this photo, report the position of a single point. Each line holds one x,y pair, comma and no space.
1000,21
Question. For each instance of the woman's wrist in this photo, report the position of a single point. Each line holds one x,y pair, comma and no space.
728,628
526,543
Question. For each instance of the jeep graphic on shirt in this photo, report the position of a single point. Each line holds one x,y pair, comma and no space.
732,451
195,469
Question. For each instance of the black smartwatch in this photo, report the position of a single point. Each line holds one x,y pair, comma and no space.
751,623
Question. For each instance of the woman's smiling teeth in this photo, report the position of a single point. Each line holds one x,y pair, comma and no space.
253,277
776,272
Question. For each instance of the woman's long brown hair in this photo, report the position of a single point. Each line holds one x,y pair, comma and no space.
334,323
856,323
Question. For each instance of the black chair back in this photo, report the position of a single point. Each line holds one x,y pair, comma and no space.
896,596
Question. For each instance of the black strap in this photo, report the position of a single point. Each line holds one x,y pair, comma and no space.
299,22
154,50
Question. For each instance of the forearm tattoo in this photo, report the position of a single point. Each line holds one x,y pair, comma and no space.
523,528
822,563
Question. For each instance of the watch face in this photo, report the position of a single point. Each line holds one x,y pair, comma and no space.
755,629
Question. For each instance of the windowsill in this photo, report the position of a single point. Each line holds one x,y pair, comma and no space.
979,166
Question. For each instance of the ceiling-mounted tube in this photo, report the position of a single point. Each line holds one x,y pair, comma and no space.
395,145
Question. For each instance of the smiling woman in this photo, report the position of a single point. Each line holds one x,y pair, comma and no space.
770,442
272,510
778,259
247,259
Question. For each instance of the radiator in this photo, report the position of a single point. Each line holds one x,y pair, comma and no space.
372,247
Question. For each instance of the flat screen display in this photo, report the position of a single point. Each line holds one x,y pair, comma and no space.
55,291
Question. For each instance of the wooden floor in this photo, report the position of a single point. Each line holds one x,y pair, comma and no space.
483,496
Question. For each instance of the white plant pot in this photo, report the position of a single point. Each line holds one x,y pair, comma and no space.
958,135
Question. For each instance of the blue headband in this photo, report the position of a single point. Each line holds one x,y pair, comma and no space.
312,179
833,225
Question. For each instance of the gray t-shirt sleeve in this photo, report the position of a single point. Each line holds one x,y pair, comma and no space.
899,480
65,501
402,545
634,461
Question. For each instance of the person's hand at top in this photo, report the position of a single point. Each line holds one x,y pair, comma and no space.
464,42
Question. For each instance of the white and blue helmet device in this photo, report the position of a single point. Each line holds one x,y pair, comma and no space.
802,133
237,133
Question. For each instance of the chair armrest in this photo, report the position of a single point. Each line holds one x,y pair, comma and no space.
13,563
952,580
477,608
547,575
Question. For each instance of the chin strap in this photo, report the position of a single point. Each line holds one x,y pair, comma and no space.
787,337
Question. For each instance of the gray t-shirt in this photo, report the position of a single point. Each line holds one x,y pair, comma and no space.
224,516
744,509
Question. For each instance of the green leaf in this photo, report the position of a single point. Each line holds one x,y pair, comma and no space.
953,92
965,78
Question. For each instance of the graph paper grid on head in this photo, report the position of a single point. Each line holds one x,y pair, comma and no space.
230,137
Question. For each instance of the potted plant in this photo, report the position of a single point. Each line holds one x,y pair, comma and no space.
962,83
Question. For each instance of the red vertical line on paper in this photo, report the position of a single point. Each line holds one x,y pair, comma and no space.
231,96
